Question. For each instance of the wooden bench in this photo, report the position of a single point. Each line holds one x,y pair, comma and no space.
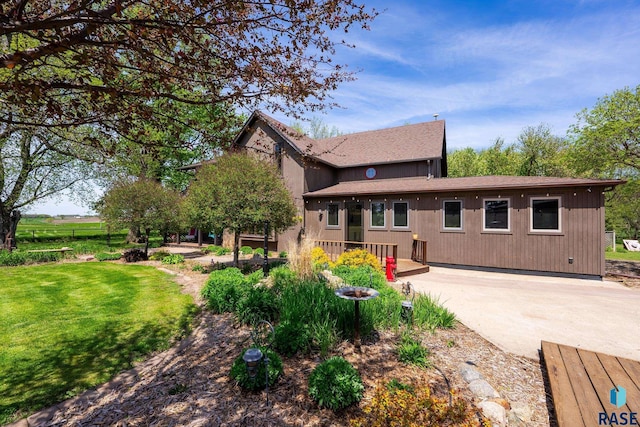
581,382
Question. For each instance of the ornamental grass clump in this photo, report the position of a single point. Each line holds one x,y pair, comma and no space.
300,259
335,384
430,314
413,405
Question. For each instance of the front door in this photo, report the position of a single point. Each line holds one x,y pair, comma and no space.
355,229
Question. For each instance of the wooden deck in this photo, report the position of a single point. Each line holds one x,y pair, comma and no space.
407,267
581,382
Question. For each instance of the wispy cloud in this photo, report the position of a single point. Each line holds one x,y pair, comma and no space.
487,79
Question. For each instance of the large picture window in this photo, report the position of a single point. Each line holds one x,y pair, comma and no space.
452,215
377,215
545,214
332,215
400,214
496,215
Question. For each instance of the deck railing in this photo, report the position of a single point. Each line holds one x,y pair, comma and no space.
335,248
419,251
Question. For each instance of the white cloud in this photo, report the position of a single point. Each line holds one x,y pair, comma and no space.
486,81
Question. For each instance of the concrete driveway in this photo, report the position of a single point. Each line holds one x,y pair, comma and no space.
516,312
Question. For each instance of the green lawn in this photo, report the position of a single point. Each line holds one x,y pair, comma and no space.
622,254
83,237
67,327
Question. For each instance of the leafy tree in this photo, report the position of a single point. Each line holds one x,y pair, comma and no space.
463,162
606,139
623,209
238,193
499,160
316,129
142,204
68,63
542,153
30,171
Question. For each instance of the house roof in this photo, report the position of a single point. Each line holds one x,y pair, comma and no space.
476,183
400,144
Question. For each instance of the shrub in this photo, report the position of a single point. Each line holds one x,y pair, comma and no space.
159,255
259,251
107,256
199,267
246,250
291,337
282,277
413,405
358,257
223,289
257,303
335,384
320,259
282,254
216,250
173,259
221,251
412,352
364,275
134,255
241,376
15,258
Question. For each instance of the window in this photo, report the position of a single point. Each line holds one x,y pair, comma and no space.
545,214
496,214
332,215
401,214
452,215
377,215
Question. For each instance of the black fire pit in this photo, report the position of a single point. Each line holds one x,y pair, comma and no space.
357,294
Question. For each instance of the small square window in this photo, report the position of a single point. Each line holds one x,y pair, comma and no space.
545,214
332,215
452,215
377,215
401,214
496,214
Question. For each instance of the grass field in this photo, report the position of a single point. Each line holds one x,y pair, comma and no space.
621,254
85,237
67,327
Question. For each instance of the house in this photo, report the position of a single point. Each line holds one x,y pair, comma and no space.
390,187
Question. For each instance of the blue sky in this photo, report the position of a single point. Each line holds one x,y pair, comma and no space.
489,68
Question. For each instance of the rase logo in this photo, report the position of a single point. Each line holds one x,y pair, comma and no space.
618,398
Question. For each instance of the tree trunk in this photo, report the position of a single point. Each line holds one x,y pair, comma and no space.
8,226
236,247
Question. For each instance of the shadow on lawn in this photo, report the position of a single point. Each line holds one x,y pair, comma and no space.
81,364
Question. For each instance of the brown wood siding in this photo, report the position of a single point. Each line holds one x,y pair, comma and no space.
318,175
581,236
402,170
261,141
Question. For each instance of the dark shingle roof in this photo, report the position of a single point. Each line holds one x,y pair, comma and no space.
400,144
424,185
